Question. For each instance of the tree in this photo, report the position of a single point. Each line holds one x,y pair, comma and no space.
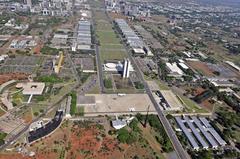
73,108
107,83
139,116
123,135
217,73
35,113
139,85
134,125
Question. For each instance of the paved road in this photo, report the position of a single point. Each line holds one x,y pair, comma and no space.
50,108
98,60
99,68
182,154
176,143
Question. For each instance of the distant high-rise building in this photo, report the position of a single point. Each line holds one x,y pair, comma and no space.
126,68
29,3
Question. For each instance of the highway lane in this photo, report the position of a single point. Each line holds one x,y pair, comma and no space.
182,154
99,68
168,128
98,58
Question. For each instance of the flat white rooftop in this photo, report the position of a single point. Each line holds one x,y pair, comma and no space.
32,88
115,67
174,68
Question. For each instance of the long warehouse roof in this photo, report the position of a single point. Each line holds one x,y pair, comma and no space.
204,132
187,133
213,131
195,132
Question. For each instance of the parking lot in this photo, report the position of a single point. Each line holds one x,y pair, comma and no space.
9,123
21,64
111,104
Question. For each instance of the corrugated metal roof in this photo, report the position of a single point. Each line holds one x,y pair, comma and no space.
213,132
187,133
195,132
204,132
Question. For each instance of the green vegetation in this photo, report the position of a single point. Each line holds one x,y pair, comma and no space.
227,118
73,108
62,154
102,25
161,136
210,154
229,121
110,44
162,86
40,98
134,126
107,37
112,55
94,90
163,70
17,98
2,137
139,85
35,113
129,136
53,21
80,111
230,100
84,76
125,136
107,83
49,51
190,105
50,79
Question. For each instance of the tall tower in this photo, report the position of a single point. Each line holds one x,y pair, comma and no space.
29,3
126,68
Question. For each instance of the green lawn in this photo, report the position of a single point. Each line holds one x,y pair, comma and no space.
190,105
80,111
107,37
236,135
111,46
18,98
112,55
38,109
104,26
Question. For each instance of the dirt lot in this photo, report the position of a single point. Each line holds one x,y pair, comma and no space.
198,91
10,76
88,140
201,67
206,104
